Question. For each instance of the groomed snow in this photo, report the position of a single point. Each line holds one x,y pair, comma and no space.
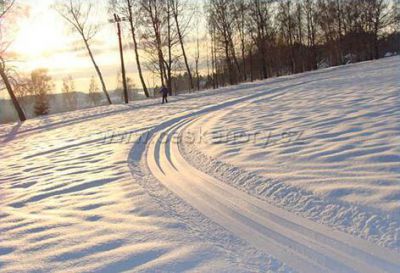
327,147
76,196
336,135
70,203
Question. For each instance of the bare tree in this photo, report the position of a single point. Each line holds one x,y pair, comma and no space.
381,17
330,22
197,60
6,7
310,15
170,44
286,23
68,90
9,88
130,10
222,19
259,25
94,94
160,39
177,10
396,15
132,24
292,36
213,56
77,13
240,9
153,20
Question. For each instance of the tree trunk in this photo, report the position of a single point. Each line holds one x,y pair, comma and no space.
213,62
169,65
103,85
214,57
376,47
251,64
244,61
180,37
264,59
261,39
376,38
229,63
242,40
161,60
235,60
339,18
135,45
14,100
197,75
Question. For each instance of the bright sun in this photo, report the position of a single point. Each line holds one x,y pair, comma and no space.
39,36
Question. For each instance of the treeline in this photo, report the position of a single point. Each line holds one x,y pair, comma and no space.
257,39
35,94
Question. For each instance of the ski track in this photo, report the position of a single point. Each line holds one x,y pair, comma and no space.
302,244
70,201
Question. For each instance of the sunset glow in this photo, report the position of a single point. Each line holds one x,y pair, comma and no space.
43,40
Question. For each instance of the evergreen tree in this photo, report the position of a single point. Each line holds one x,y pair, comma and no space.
41,107
40,85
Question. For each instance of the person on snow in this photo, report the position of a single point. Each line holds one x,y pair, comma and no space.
164,92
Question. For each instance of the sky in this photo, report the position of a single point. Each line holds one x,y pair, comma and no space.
42,39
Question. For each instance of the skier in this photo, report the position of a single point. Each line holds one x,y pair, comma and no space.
164,92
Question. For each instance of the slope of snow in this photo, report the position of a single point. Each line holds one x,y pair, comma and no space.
77,193
328,149
69,202
302,244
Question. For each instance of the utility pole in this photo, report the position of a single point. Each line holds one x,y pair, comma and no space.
117,20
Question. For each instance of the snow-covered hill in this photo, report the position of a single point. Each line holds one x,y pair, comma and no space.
334,134
93,190
327,147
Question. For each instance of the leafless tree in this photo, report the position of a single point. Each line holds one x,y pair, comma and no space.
197,60
4,75
287,26
68,90
381,17
160,39
94,94
291,36
259,25
153,20
79,14
178,10
311,27
214,70
130,10
5,6
222,18
8,86
241,8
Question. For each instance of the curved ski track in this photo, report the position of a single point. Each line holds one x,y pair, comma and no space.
304,245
